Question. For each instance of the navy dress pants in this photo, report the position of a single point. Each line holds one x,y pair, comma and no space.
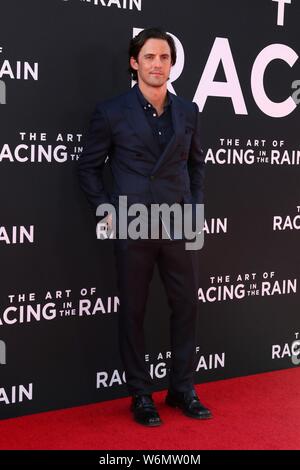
178,269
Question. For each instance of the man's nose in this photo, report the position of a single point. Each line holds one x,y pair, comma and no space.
157,62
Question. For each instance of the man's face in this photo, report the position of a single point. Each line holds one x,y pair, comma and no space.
154,62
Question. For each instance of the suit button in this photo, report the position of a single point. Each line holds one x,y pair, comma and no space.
152,177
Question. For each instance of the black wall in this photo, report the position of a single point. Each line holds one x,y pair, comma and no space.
52,353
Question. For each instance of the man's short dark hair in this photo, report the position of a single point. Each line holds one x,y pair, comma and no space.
139,40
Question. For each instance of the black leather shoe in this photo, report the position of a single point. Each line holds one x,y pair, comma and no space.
144,410
189,403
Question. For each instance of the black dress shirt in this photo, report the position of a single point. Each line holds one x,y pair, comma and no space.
162,126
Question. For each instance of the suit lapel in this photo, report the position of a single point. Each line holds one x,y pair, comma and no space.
178,119
138,121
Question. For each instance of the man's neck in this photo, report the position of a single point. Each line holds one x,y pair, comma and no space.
157,96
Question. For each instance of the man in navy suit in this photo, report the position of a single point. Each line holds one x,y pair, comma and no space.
152,139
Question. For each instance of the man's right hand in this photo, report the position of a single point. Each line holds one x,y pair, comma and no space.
109,221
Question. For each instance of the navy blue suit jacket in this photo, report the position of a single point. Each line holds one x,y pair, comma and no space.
119,130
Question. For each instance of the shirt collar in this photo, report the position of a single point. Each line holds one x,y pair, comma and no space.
145,103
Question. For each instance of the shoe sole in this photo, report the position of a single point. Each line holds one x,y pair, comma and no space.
150,425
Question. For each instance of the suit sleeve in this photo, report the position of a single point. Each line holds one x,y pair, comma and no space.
96,145
196,162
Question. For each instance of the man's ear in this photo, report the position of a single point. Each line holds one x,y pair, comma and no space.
133,63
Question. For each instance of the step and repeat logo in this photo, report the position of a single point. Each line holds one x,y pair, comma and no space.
42,147
11,395
11,69
17,234
246,151
287,222
158,365
135,5
229,287
35,307
33,146
289,350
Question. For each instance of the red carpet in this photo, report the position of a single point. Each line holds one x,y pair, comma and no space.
254,412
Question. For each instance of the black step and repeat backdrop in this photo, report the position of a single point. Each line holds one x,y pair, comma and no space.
58,297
